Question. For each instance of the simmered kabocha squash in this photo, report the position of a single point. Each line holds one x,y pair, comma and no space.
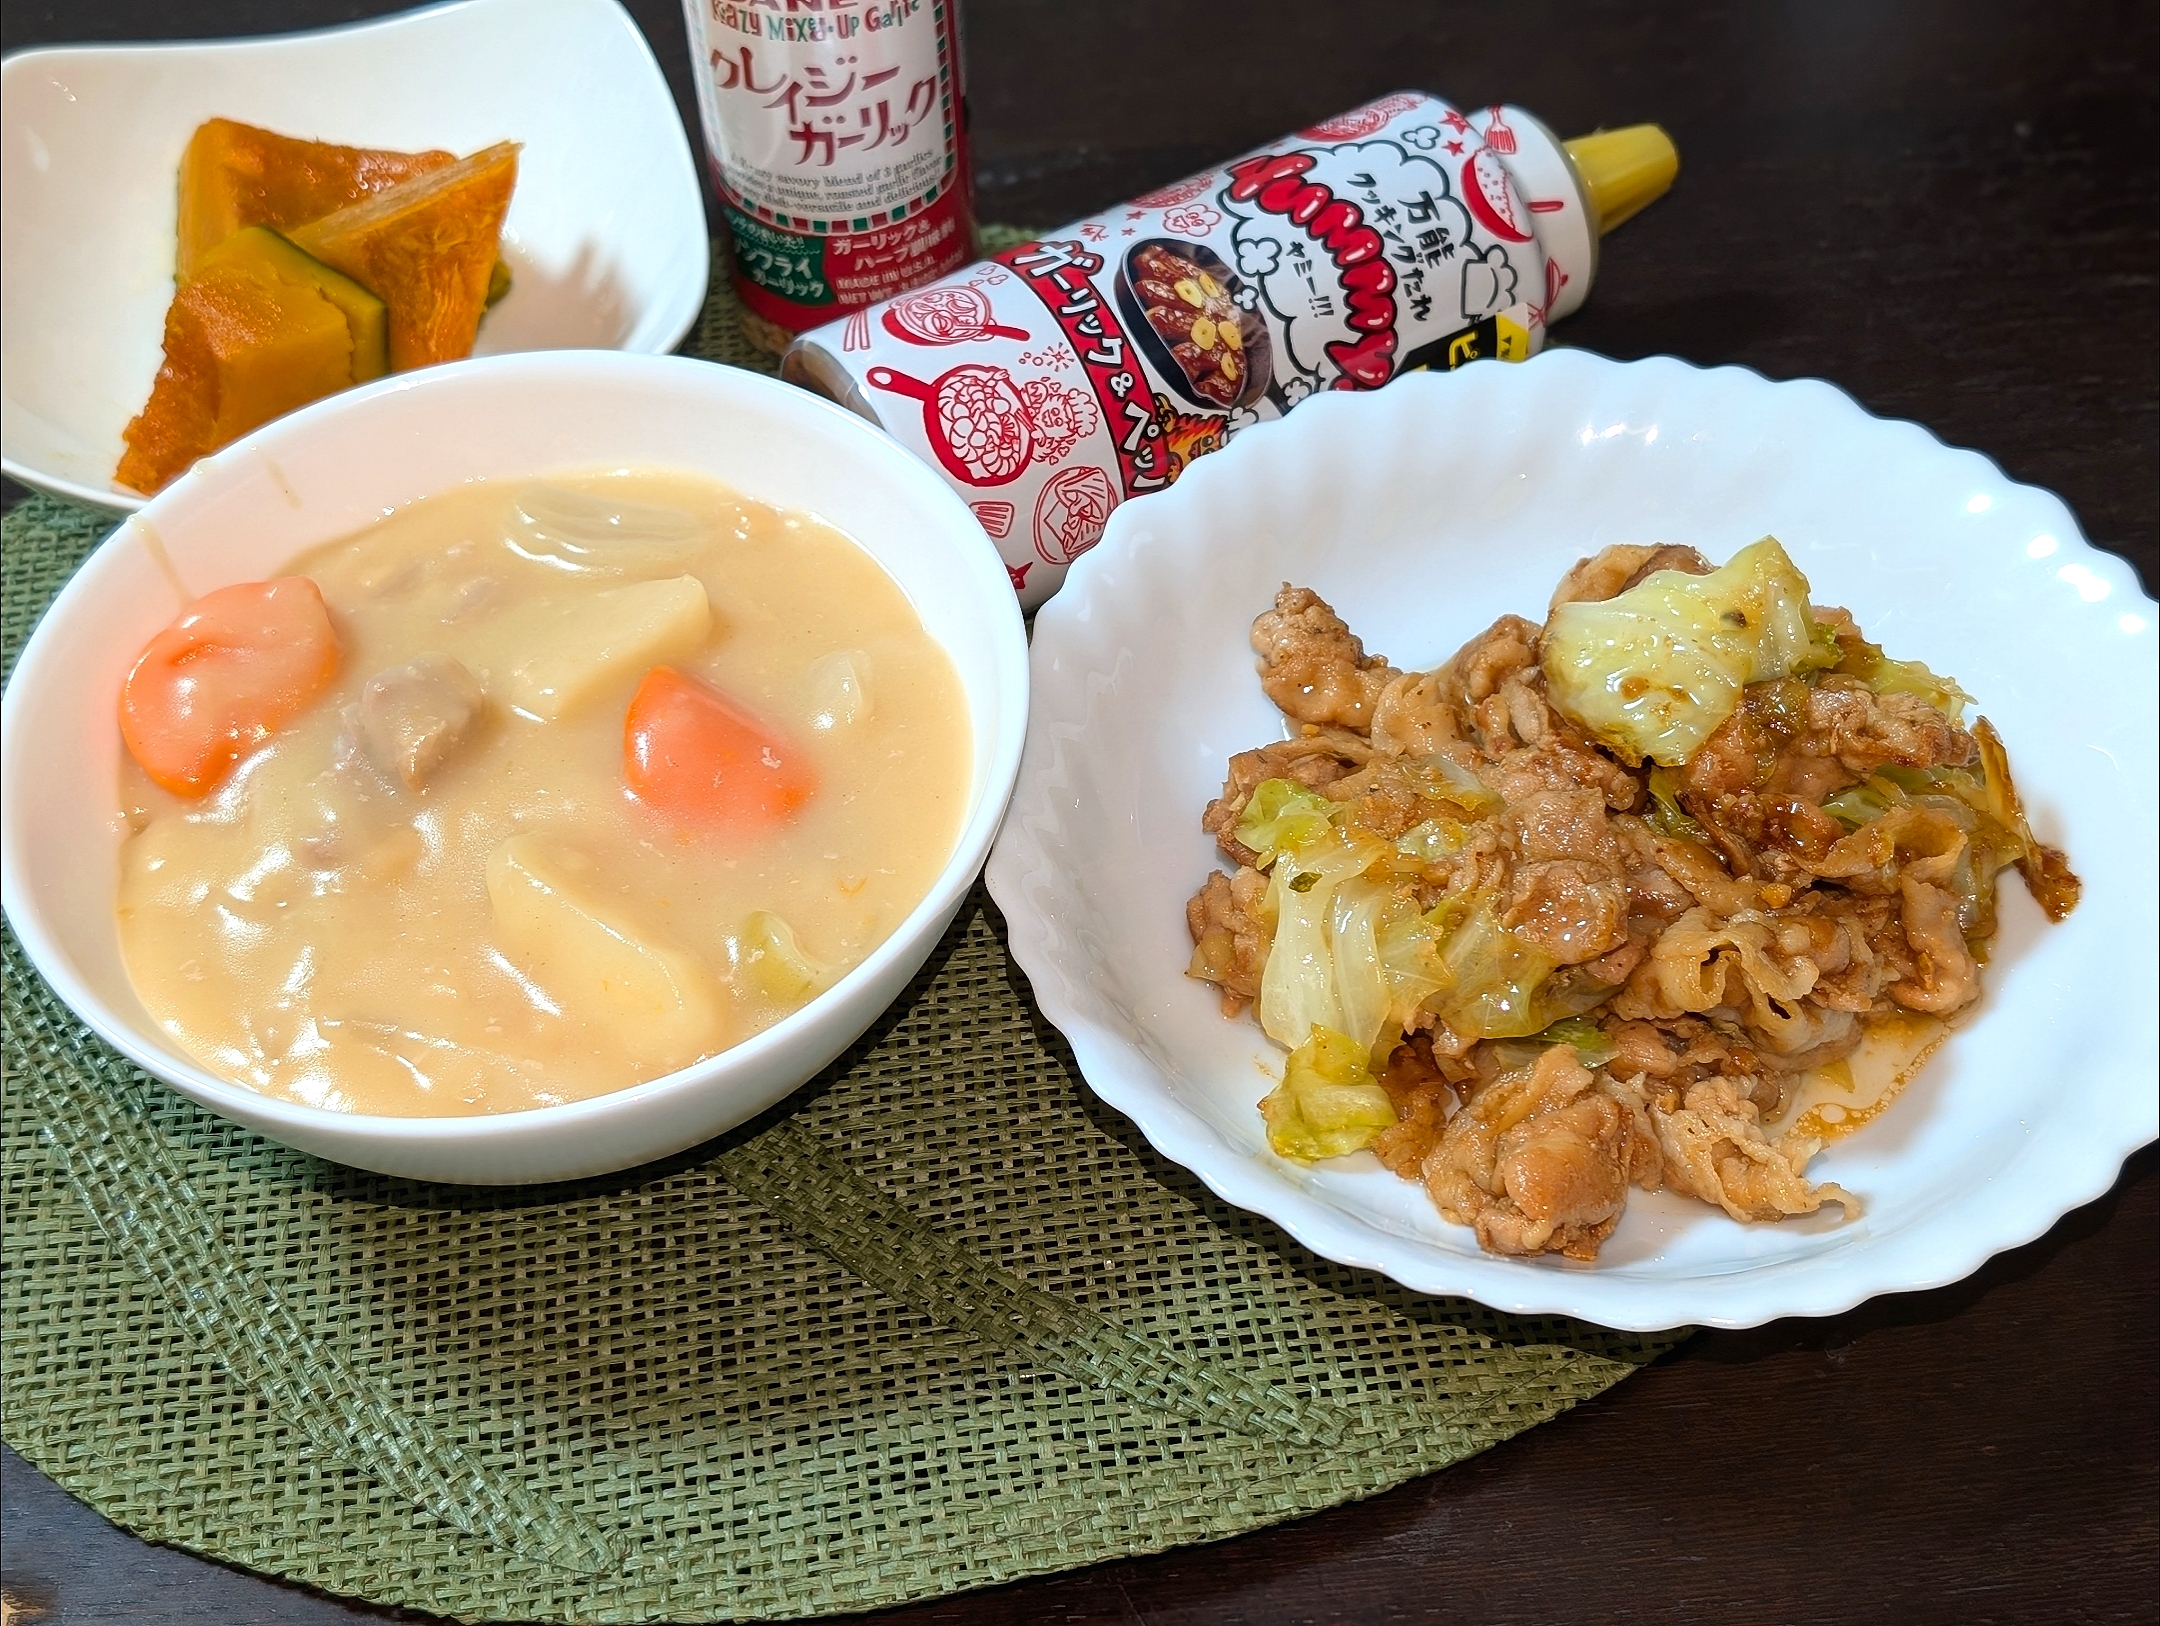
264,250
305,267
234,175
242,345
427,249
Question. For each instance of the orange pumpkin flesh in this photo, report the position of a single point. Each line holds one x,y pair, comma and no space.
270,255
242,346
403,242
234,175
425,248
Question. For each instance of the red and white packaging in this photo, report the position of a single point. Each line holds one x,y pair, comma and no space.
838,148
1091,365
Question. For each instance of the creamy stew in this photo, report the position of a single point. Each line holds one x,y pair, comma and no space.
435,891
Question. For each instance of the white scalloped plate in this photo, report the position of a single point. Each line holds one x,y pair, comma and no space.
1429,508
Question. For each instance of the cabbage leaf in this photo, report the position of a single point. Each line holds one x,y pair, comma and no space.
769,955
1494,976
1328,1104
1665,814
1653,672
1352,953
1591,1045
1983,802
1864,803
1298,989
1282,816
1432,840
1447,780
1883,675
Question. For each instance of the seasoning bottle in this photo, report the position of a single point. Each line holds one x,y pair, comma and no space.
1094,364
836,142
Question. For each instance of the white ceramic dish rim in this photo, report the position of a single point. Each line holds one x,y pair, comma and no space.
1128,1081
670,327
988,798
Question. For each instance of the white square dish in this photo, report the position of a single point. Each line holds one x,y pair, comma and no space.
606,234
1422,512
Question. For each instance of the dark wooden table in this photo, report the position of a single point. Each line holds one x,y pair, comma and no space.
1947,208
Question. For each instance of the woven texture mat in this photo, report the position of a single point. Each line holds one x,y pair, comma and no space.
940,1320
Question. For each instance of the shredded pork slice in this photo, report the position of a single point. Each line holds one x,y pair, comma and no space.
1866,731
1507,647
1415,715
1570,893
1945,977
1538,1162
1315,758
1847,733
1612,571
1312,665
1572,911
1757,784
1422,1101
1230,940
1566,821
1714,1149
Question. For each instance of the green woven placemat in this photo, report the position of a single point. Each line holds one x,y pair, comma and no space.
940,1320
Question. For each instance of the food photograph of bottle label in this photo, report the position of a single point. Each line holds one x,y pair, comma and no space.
1093,364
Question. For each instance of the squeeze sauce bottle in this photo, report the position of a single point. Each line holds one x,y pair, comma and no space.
1056,379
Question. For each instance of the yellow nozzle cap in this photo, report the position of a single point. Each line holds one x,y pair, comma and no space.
1624,171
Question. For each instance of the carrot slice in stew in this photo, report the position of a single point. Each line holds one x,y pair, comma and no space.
695,755
237,665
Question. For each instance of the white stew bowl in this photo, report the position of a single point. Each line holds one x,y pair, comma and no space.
329,470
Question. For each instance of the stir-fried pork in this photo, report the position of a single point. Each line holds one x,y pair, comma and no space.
1312,666
1708,931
